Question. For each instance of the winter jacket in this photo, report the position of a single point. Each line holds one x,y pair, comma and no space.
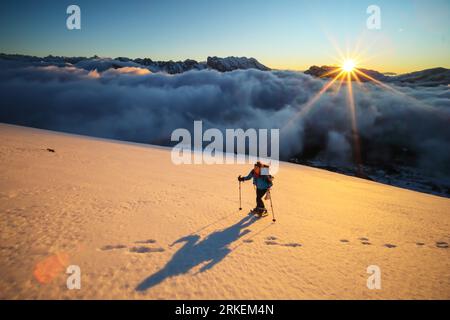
261,182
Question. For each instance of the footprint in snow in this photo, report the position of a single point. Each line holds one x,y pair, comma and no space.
135,249
364,241
292,245
270,241
441,244
113,247
145,249
146,241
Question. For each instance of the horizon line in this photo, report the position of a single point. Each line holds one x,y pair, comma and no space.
200,61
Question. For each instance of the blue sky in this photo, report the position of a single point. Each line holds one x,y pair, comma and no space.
285,34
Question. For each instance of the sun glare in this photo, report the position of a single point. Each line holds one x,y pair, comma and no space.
348,73
348,66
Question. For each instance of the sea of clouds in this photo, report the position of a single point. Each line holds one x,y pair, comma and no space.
408,124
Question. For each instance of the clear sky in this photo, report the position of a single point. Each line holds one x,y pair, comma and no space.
284,34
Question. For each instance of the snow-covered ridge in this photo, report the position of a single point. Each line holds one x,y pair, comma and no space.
171,67
427,78
234,63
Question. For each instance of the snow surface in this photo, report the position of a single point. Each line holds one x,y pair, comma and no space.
139,226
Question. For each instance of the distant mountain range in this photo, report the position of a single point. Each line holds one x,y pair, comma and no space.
428,77
171,67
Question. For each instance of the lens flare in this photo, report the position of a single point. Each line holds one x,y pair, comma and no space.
46,270
346,74
348,66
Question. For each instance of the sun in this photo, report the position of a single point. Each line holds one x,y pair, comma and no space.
348,65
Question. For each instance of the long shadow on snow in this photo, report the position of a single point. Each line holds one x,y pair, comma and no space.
212,249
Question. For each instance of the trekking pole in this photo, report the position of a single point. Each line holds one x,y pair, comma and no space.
240,201
271,206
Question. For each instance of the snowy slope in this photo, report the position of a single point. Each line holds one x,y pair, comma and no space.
117,210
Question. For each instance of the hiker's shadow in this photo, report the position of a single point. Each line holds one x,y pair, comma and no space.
211,249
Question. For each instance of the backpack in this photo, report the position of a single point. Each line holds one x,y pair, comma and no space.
265,171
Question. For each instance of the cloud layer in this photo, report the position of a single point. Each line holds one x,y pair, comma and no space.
411,126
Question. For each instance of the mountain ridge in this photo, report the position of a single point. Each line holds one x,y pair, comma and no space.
429,77
171,67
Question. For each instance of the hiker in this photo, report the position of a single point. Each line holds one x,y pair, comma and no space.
263,182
